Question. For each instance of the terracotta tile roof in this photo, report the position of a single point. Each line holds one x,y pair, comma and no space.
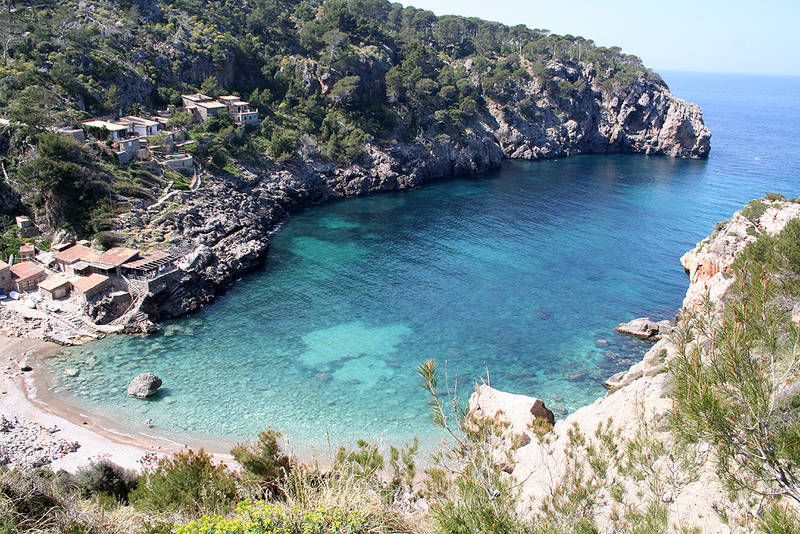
117,256
3,264
26,248
87,283
25,270
73,254
53,282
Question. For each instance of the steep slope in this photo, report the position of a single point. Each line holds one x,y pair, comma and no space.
631,459
354,97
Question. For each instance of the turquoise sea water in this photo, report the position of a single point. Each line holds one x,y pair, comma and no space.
523,272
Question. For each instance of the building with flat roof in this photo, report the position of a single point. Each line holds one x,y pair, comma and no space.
240,110
115,131
26,227
191,100
54,287
206,110
140,126
27,252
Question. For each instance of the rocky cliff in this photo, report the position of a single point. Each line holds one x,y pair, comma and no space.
629,456
224,226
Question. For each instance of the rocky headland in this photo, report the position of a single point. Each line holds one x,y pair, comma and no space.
223,227
629,424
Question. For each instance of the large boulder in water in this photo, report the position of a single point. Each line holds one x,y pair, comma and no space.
144,385
644,328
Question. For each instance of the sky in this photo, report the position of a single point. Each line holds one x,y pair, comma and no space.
758,37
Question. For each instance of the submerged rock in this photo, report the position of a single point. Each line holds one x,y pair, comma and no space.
644,328
144,385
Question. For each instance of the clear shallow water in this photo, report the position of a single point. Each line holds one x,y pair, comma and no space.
524,271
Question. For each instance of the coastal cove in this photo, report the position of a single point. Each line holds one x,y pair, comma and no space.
522,270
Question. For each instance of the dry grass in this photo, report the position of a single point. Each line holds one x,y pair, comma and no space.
308,488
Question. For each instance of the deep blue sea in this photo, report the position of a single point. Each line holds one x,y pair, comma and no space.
523,272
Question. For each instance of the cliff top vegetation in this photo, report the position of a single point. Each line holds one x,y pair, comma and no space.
327,78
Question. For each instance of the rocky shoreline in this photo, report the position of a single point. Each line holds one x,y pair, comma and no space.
633,414
223,228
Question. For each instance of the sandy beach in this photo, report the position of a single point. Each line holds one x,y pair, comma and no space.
36,420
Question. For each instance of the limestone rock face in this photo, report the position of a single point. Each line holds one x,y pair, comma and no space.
518,411
709,263
222,229
644,328
640,401
144,385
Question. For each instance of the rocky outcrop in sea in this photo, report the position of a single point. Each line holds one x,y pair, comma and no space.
627,428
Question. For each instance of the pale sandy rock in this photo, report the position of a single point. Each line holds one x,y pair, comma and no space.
709,263
644,328
639,402
519,411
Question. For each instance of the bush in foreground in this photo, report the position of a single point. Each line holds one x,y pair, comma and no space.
265,518
263,462
189,483
108,478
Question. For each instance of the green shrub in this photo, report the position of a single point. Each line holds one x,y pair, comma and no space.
366,461
106,477
265,518
754,209
188,482
109,239
476,496
729,392
264,462
779,520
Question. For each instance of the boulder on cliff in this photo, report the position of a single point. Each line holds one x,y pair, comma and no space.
644,328
519,412
144,385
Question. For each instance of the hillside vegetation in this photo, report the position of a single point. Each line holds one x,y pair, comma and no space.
327,78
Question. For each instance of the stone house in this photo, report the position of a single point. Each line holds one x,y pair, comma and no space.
177,162
26,227
75,133
67,259
89,286
140,126
6,283
27,252
27,275
54,287
109,263
211,109
191,100
240,110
